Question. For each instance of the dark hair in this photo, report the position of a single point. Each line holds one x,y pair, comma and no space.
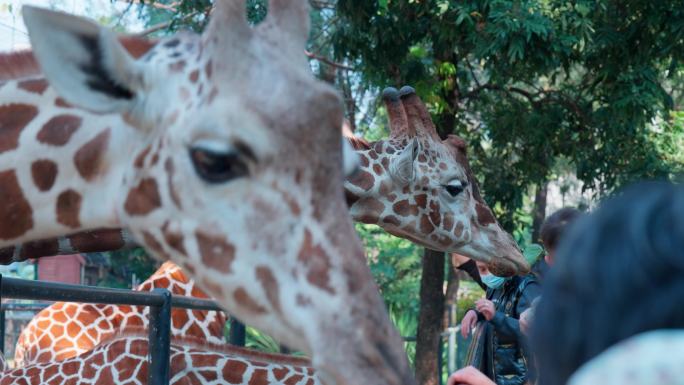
555,224
618,272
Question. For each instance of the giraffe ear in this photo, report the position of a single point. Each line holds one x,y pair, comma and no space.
350,159
401,167
84,62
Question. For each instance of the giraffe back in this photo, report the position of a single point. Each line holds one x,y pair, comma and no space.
67,329
122,359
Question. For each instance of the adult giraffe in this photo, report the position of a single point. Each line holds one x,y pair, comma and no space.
414,185
442,175
206,156
67,329
122,359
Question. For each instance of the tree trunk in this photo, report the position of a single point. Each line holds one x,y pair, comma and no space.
539,211
430,317
451,298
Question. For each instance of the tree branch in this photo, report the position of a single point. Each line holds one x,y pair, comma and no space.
327,61
167,7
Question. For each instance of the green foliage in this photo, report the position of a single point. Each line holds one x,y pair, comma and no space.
396,265
260,341
469,292
407,326
123,264
527,82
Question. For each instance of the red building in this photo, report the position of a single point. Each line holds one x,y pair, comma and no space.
61,268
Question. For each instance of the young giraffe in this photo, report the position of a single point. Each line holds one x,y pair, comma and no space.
205,156
414,185
67,329
123,360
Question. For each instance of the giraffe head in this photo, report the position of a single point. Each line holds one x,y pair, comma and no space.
418,186
233,170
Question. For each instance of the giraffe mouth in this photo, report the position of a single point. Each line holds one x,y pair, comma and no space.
507,267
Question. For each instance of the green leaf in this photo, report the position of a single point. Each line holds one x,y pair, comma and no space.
532,252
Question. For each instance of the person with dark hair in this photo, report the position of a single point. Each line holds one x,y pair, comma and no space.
618,273
616,289
500,349
554,227
551,232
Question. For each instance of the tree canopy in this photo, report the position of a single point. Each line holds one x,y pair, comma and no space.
528,82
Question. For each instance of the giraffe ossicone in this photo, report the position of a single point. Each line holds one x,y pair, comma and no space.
202,152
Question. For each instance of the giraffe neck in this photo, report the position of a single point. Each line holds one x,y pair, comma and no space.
59,167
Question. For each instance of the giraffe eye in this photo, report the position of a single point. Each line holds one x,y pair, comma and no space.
218,167
455,188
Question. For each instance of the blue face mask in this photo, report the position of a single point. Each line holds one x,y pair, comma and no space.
492,281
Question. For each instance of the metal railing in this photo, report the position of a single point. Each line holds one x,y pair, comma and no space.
160,302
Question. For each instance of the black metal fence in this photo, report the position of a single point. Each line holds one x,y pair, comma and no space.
160,302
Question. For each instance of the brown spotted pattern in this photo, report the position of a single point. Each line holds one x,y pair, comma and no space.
59,129
89,158
69,208
316,262
245,300
270,285
37,86
193,361
216,252
143,199
13,119
16,212
47,337
44,173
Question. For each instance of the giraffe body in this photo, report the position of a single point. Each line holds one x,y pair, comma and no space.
210,162
67,329
122,359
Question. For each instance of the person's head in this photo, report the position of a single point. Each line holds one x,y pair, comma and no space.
553,228
619,272
492,281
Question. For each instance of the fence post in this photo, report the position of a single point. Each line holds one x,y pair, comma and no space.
451,352
160,340
440,349
2,331
2,321
237,332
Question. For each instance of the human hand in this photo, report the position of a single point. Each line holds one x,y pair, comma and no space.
469,376
469,321
486,307
525,320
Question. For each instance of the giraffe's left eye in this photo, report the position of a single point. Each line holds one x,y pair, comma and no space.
455,188
218,167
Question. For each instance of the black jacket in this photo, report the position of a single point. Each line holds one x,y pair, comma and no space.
505,355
